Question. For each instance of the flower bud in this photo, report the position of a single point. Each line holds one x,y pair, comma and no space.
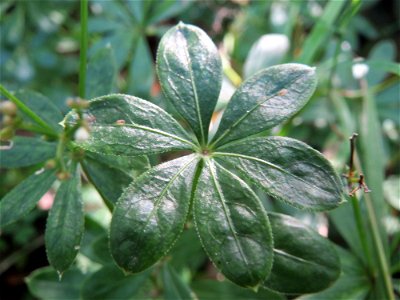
81,134
8,108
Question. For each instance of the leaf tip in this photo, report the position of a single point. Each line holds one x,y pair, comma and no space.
126,272
255,287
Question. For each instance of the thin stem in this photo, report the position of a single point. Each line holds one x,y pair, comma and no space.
83,48
26,110
376,238
15,256
37,129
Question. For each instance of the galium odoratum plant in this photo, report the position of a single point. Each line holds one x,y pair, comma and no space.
211,183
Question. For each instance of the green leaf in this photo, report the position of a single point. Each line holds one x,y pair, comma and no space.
151,213
174,287
146,128
101,71
233,226
352,283
383,53
141,72
190,74
65,223
44,283
163,10
24,196
133,167
265,100
225,290
286,169
321,31
304,261
109,181
267,51
111,283
26,151
41,106
187,252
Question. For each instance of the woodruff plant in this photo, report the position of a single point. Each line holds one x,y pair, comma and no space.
214,184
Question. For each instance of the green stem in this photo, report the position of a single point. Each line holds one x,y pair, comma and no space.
37,129
26,110
361,231
60,152
376,238
83,48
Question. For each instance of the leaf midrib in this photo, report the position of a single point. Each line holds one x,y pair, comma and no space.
149,129
252,158
248,112
165,189
227,216
196,98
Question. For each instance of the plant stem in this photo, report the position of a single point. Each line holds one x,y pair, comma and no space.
37,129
383,265
83,48
26,110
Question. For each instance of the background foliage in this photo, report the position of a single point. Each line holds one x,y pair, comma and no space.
39,50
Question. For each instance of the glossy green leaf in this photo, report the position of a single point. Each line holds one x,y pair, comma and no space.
265,100
41,106
101,73
225,290
233,226
151,213
304,261
109,181
353,282
174,287
141,72
132,166
24,196
65,223
145,127
26,151
45,283
190,73
111,283
286,169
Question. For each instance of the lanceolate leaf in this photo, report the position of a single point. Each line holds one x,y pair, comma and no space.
190,73
45,283
265,100
129,126
42,106
141,73
24,196
304,261
286,169
151,213
232,226
26,151
101,72
174,287
109,181
111,283
65,223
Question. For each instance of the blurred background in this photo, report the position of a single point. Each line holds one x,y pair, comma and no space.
354,46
